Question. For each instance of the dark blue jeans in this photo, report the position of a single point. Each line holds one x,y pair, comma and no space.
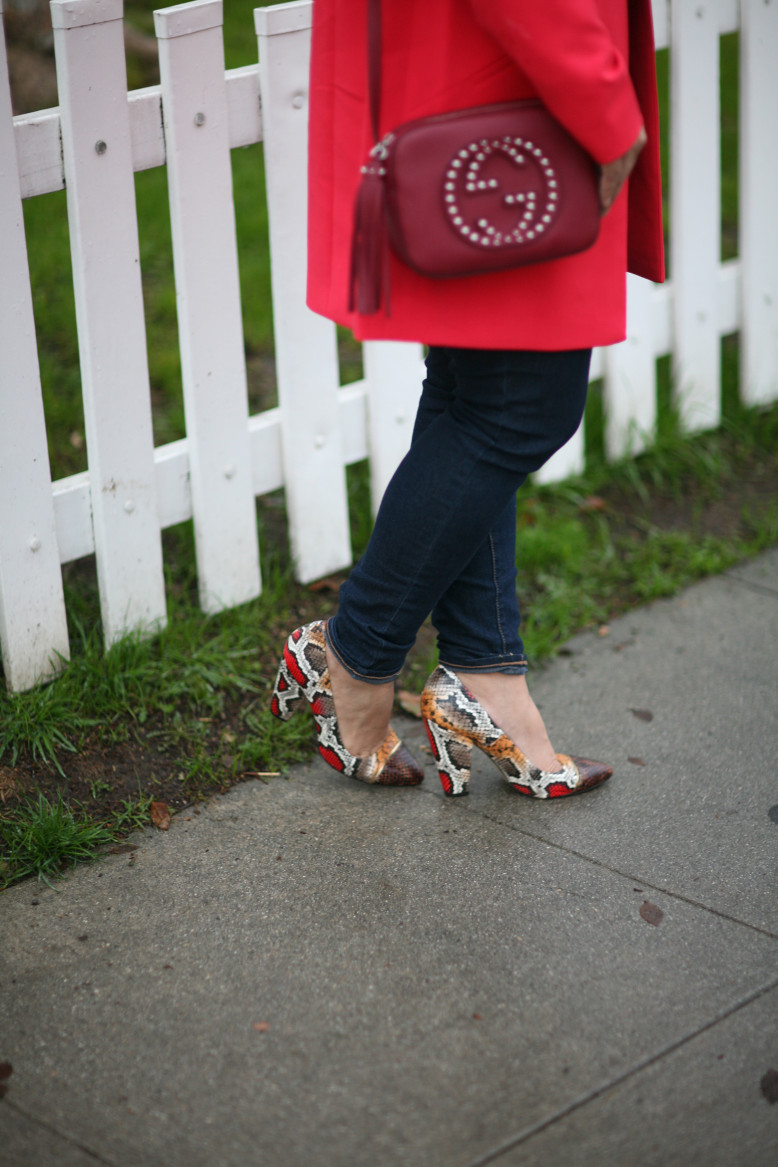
444,539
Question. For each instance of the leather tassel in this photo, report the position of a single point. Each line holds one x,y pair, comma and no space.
370,247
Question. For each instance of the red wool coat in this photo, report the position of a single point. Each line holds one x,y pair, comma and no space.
440,55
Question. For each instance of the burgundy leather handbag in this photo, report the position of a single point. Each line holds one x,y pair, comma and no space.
467,192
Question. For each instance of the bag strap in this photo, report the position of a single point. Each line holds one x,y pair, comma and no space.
374,63
369,271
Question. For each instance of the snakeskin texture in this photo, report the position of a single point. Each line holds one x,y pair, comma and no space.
455,722
303,676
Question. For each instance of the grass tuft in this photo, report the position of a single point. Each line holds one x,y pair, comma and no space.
44,838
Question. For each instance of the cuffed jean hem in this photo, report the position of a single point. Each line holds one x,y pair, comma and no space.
516,667
386,680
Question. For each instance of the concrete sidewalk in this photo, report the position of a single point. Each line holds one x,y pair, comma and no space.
317,972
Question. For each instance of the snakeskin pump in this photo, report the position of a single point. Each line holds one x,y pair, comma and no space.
455,722
303,676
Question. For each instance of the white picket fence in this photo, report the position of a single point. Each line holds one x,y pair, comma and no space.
94,142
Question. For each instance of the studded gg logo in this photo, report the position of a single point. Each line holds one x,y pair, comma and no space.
501,192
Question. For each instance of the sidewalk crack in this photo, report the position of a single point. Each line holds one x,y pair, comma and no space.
630,875
752,585
35,1120
598,1091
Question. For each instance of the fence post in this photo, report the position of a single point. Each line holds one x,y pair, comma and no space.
758,186
305,344
194,104
33,628
89,48
393,375
695,210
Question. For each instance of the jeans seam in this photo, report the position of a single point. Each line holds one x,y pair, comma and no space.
497,610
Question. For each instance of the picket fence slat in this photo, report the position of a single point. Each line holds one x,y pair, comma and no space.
759,183
393,377
205,261
630,378
89,48
695,220
33,628
661,12
305,344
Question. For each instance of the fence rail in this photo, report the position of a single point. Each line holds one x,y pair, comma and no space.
92,145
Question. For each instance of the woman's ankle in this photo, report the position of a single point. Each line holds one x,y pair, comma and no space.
362,710
506,698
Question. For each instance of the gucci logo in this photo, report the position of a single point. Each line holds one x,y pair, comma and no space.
501,192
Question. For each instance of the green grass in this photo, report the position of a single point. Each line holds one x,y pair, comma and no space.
43,838
579,565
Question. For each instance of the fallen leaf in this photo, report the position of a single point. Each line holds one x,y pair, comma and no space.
122,848
477,1017
603,630
592,502
642,714
160,815
636,761
650,912
769,1085
261,1026
330,583
8,785
410,702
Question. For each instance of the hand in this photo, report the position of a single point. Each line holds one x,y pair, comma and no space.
614,174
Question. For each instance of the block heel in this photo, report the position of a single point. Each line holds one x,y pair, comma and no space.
452,753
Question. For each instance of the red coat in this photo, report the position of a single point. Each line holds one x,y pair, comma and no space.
440,55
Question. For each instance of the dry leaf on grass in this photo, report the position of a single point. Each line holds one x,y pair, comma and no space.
592,502
7,784
409,702
330,583
160,815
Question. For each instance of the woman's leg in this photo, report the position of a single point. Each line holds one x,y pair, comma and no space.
443,538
